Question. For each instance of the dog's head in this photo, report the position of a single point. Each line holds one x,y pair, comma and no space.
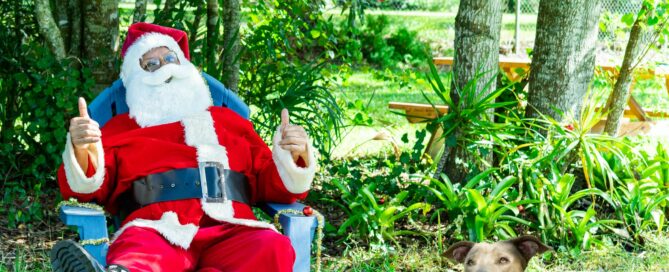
505,256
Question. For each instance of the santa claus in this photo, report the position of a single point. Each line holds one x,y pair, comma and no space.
185,172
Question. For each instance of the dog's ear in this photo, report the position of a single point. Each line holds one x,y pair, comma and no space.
458,251
529,246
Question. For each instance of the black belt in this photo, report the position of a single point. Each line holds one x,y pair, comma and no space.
186,183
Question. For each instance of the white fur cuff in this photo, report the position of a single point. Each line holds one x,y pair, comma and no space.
76,177
296,179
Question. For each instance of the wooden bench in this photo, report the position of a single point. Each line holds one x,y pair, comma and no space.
516,69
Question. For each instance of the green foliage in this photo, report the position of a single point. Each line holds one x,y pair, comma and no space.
574,189
37,96
480,208
281,37
375,218
377,196
390,48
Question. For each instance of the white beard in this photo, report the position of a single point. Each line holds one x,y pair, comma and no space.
152,101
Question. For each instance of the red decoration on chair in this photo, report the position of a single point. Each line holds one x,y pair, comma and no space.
308,211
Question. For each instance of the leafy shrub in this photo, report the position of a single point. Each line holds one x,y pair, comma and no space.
286,47
573,188
376,195
481,206
389,49
37,95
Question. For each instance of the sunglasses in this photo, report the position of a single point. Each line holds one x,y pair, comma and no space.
153,64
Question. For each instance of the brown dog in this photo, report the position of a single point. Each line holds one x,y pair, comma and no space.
510,256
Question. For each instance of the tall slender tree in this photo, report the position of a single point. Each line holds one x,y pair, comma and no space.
140,11
48,28
477,28
647,28
87,29
101,39
231,19
212,36
564,57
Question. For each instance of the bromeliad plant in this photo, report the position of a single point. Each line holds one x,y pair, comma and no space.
375,218
572,146
639,205
558,217
481,204
469,123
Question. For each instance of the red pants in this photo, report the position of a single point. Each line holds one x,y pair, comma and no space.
216,248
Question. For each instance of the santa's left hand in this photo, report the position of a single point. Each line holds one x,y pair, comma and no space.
293,138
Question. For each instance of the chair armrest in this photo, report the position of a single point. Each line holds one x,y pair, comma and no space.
91,225
300,230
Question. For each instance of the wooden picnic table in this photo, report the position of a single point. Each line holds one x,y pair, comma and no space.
516,69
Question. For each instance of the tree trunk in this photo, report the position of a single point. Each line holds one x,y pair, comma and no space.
231,42
74,40
477,27
60,14
196,24
48,28
621,90
140,11
564,57
164,17
101,40
212,36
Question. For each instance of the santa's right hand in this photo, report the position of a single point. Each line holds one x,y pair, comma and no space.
84,130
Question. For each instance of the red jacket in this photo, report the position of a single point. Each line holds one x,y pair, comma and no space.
129,152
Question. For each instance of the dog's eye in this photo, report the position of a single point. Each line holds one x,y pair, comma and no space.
503,260
470,262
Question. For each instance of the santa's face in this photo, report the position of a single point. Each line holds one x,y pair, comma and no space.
167,91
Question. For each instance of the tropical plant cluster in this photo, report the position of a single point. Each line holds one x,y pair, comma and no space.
574,189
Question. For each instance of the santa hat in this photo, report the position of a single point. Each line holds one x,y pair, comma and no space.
143,37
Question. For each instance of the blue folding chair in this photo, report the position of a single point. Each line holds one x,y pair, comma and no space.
92,224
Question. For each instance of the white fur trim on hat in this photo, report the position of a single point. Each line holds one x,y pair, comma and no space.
296,179
168,226
142,45
76,177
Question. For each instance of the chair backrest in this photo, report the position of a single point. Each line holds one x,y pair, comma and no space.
111,101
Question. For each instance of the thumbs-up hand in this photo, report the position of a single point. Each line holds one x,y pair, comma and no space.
293,138
84,130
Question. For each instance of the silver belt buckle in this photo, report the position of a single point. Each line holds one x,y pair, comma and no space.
203,181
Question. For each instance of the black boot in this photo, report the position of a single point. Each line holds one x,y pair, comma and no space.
69,256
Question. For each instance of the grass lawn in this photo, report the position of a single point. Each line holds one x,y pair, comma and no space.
421,257
437,28
373,90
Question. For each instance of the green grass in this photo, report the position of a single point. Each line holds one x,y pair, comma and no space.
374,90
437,28
420,257
20,261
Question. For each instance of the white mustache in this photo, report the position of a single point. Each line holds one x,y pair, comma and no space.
164,75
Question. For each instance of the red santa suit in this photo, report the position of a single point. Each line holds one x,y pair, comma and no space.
189,234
